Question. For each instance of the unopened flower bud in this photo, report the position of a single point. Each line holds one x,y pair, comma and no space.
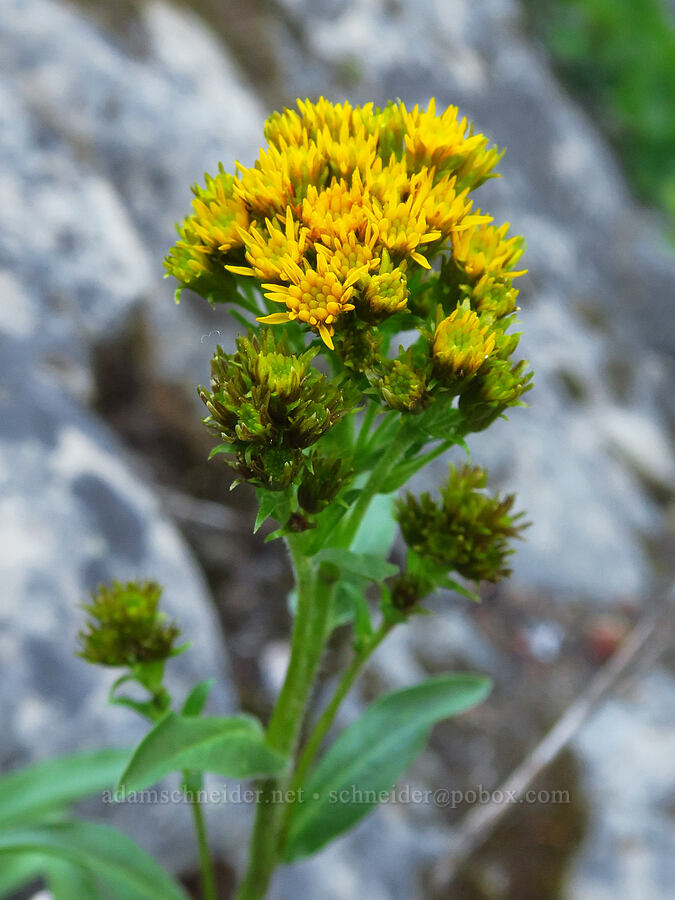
461,343
403,387
126,627
322,483
383,294
496,388
407,591
274,468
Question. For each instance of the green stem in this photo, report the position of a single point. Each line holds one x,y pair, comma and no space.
390,456
205,861
366,423
309,636
327,717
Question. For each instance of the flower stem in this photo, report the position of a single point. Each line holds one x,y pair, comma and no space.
390,456
205,861
309,635
327,717
364,430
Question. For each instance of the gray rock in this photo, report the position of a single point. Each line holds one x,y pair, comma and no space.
112,139
628,750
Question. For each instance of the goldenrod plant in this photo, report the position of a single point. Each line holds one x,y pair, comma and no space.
377,307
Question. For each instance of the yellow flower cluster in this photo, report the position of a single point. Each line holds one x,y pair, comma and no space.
339,206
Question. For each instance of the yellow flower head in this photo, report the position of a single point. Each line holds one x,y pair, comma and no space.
402,225
346,251
314,296
340,120
485,250
384,293
448,144
461,343
269,251
335,209
214,226
349,153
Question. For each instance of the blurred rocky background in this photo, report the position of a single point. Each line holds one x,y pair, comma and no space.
108,112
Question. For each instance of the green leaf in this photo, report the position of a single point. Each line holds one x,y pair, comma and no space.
145,708
233,746
116,861
196,700
67,881
365,565
17,871
370,755
50,786
220,448
451,585
404,471
272,503
349,603
363,623
378,529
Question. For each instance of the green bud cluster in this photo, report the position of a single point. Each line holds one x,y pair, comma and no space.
468,531
126,627
407,590
358,347
322,481
489,295
268,404
402,385
498,386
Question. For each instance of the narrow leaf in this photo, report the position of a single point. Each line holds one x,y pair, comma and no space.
451,585
350,603
67,881
27,794
114,858
233,746
220,448
378,529
272,503
365,565
196,700
370,755
18,871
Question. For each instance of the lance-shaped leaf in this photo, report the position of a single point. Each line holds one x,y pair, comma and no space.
51,786
112,857
234,746
364,565
370,755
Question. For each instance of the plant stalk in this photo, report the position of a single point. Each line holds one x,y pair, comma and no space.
327,718
390,456
208,878
309,635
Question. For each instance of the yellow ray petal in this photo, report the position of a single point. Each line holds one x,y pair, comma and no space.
274,319
240,270
421,260
325,336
